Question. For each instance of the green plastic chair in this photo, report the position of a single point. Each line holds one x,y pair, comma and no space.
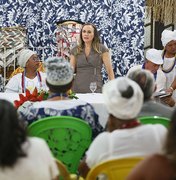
155,120
68,138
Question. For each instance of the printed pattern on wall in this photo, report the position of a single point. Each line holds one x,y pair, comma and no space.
120,23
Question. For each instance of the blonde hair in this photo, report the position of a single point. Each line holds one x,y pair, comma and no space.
95,42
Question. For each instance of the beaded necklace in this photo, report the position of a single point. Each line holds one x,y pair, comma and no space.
23,80
131,124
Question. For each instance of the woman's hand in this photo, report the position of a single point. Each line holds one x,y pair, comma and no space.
73,62
170,90
168,100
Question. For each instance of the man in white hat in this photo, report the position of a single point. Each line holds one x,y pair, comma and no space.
168,39
30,77
152,63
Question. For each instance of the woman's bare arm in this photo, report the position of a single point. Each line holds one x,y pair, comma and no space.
108,65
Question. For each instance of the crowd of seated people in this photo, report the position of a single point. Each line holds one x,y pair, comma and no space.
126,99
125,136
151,107
59,79
153,63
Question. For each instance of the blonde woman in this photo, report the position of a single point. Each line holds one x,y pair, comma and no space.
87,59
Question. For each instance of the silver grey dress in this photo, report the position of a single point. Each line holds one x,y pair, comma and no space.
88,69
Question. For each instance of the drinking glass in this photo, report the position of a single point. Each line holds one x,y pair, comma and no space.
93,87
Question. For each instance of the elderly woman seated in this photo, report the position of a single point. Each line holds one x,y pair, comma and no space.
30,77
146,81
125,137
59,79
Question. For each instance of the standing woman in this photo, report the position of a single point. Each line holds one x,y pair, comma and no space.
87,59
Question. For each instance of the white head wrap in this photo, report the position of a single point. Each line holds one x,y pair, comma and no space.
58,71
24,56
154,56
167,36
119,106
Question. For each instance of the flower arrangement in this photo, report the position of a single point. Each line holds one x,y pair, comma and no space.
38,96
34,96
71,94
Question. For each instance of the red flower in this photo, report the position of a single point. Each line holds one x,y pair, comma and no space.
35,96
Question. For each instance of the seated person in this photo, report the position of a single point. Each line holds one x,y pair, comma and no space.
22,157
159,166
146,81
59,79
30,77
125,136
152,63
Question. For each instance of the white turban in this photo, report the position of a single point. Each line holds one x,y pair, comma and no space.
125,108
154,56
24,56
167,36
58,71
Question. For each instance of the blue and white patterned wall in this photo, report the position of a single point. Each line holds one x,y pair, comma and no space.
120,23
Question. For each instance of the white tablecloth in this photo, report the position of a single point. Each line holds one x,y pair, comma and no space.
96,100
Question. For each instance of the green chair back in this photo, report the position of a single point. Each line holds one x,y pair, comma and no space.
68,138
155,120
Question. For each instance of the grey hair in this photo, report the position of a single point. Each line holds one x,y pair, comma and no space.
145,79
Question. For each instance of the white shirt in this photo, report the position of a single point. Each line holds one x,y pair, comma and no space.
160,78
15,83
139,141
168,63
37,165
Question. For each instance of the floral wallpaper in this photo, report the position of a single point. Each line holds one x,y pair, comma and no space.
120,23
